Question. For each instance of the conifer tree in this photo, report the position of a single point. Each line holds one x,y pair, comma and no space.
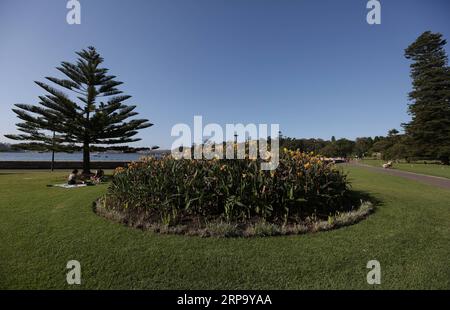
428,132
94,114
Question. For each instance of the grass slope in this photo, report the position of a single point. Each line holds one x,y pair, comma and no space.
42,228
429,169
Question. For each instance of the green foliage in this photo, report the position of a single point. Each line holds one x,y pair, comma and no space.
429,129
362,146
338,148
231,190
81,121
393,146
304,145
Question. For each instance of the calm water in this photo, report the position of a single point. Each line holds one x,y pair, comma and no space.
30,156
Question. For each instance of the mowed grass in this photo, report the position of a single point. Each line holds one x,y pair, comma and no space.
433,169
43,228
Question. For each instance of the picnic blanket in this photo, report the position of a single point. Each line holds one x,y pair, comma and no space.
65,185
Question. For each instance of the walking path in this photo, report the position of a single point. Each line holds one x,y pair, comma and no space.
428,179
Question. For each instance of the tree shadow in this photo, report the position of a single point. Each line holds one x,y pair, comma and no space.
358,196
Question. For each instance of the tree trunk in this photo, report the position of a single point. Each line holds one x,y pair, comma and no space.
53,152
86,154
86,159
53,160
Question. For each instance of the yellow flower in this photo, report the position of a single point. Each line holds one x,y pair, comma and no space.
119,170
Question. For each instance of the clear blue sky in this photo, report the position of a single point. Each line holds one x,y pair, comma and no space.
315,67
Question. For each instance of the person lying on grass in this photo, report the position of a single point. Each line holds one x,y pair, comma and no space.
98,176
388,165
74,178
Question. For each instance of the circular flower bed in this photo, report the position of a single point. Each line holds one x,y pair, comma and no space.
231,197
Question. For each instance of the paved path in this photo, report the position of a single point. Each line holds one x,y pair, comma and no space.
428,179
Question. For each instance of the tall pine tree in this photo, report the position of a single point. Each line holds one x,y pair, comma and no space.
429,130
96,116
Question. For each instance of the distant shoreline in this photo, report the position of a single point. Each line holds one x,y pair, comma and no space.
29,165
77,156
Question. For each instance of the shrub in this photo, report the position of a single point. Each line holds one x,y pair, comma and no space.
171,191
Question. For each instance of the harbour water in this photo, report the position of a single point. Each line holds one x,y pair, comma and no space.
78,156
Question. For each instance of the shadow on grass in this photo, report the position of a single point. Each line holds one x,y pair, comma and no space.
357,196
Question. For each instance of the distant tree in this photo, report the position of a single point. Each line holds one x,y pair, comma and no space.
398,150
429,130
362,146
344,147
303,145
377,138
393,146
43,141
329,150
4,147
393,132
337,148
83,122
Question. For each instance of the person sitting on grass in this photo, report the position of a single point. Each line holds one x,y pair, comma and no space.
98,176
73,178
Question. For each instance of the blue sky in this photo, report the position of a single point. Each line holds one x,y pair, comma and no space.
314,67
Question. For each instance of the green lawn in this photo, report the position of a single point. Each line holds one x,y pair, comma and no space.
429,169
42,228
